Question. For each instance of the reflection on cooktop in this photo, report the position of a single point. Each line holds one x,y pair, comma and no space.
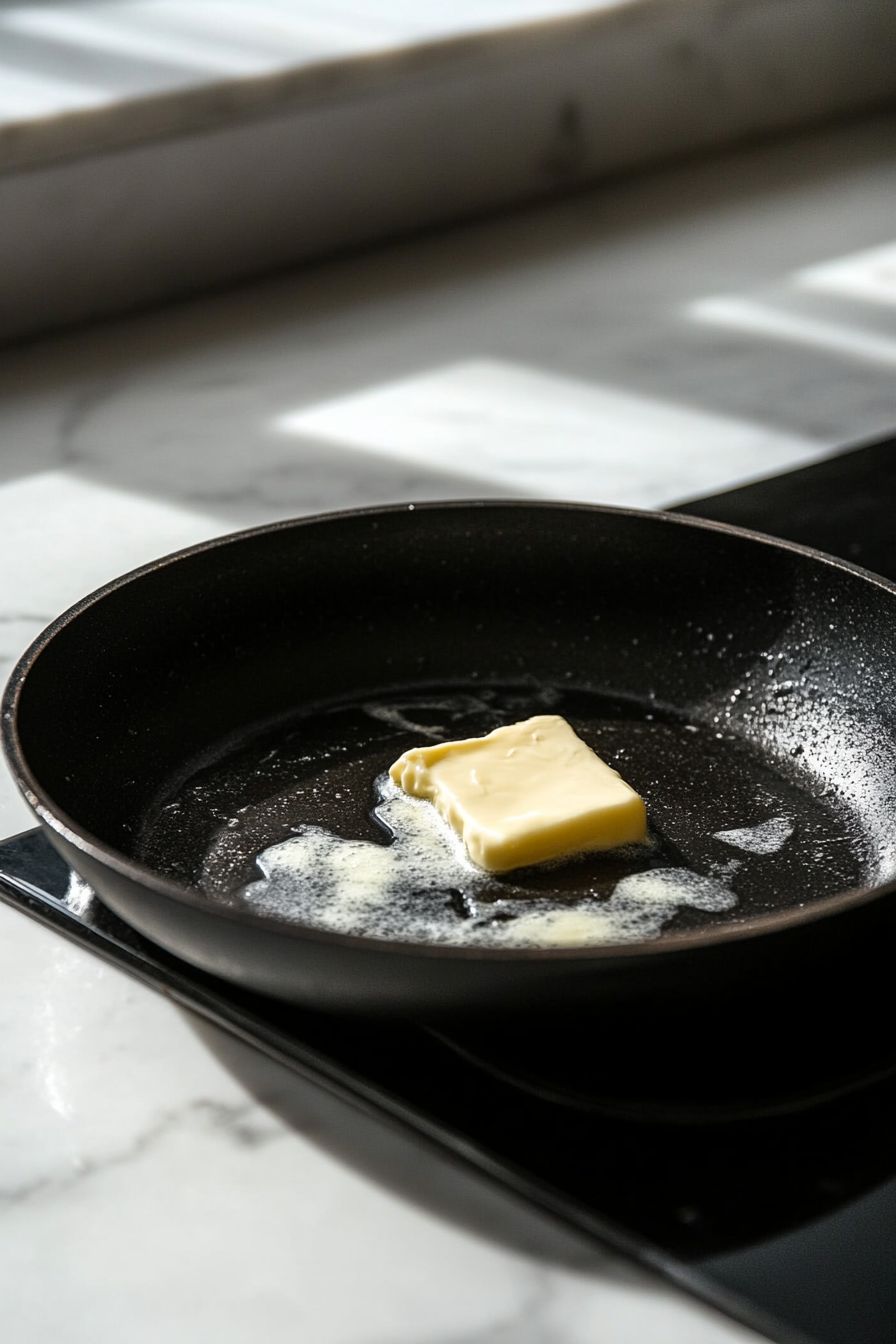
699,1134
724,1063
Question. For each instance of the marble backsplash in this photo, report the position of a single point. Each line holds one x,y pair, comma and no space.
150,149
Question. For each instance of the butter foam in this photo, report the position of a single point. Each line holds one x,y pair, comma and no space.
422,888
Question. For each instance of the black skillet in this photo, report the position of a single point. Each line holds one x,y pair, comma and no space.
733,679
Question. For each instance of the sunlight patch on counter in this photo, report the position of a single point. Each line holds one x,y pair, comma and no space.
538,433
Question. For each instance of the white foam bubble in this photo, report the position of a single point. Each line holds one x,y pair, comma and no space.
766,838
410,890
638,908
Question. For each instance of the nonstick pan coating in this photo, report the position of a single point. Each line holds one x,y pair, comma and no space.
749,640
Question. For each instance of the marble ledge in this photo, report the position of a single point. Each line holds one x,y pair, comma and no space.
322,55
147,197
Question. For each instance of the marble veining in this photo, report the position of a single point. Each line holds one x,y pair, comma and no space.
234,1121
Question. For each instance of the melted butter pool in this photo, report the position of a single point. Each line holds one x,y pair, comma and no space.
299,823
414,888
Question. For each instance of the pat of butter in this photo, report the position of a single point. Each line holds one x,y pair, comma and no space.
527,793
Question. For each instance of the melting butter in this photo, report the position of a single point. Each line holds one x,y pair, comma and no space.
409,890
524,794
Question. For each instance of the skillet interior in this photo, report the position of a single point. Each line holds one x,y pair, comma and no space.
705,789
755,640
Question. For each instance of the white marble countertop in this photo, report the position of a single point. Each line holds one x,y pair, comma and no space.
669,335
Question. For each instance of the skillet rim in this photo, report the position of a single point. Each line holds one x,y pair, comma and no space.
58,821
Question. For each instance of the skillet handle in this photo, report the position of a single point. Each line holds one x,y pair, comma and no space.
844,504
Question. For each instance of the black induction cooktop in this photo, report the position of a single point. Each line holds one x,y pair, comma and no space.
749,1155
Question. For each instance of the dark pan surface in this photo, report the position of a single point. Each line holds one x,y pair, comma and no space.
163,731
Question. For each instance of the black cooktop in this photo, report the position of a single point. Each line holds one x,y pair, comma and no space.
752,1159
